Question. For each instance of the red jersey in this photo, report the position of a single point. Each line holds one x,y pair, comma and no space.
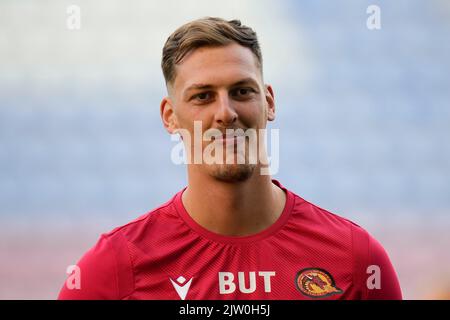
308,253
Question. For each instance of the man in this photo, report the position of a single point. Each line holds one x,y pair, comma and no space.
232,233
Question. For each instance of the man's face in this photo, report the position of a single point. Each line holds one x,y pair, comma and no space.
223,88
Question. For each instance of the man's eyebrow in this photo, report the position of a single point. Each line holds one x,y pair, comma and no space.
198,86
202,86
245,81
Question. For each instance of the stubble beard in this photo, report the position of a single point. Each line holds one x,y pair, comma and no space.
235,171
232,172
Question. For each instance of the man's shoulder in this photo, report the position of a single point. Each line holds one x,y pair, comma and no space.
332,225
320,216
141,225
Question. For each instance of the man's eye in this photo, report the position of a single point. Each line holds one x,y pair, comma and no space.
202,96
243,92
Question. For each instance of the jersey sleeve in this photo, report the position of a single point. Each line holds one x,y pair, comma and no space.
103,274
389,286
373,273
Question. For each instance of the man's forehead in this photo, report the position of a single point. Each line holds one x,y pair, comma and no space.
216,66
218,82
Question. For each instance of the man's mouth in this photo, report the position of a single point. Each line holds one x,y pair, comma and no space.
229,138
215,134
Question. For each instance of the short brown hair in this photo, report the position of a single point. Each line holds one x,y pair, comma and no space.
204,32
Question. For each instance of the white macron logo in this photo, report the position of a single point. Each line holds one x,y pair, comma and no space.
182,289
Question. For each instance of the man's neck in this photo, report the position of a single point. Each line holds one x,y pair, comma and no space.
234,209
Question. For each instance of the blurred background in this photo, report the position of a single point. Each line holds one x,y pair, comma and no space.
364,121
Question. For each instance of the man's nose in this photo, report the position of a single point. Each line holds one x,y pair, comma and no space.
225,114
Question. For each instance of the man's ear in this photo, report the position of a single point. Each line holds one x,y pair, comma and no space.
270,99
168,116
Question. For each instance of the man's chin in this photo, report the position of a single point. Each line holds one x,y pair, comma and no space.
232,172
